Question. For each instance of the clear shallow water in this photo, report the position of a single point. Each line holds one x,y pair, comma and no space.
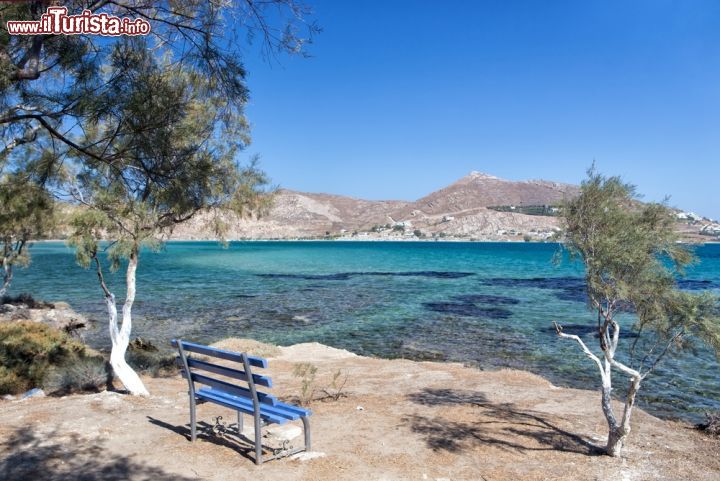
489,304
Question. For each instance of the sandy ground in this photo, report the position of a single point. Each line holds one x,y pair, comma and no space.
419,421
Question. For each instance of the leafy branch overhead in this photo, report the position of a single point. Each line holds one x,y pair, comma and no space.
54,83
27,213
167,159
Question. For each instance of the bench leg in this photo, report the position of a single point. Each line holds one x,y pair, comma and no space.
193,429
240,423
258,440
306,431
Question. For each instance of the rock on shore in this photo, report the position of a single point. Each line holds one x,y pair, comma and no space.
58,315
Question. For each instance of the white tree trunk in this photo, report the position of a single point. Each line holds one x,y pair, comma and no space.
121,337
7,277
618,434
606,398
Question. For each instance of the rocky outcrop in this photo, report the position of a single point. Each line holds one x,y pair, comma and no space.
58,315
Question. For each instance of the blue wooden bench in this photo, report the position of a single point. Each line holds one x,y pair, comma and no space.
242,396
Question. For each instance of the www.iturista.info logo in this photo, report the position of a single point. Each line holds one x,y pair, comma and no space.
56,21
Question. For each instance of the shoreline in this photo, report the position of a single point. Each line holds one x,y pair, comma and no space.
443,240
690,419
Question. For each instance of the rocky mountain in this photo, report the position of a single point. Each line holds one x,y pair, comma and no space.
477,190
460,210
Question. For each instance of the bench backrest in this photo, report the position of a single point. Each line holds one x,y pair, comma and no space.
239,380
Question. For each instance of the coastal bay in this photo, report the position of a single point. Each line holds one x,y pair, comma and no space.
489,305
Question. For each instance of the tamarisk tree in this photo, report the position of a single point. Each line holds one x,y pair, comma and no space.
163,151
26,214
632,260
47,82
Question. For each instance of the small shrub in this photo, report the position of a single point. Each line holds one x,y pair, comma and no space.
712,424
306,372
153,362
85,374
28,350
335,390
140,344
527,238
27,300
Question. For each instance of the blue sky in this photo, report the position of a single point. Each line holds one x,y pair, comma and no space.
404,97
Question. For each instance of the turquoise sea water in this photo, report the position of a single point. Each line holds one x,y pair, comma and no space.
488,304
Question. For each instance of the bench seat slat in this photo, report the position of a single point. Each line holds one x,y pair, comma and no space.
263,398
220,353
294,409
228,372
283,410
239,404
286,410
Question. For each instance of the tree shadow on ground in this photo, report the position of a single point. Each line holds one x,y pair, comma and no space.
502,425
27,455
242,445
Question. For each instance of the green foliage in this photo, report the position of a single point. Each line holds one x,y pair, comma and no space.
176,158
417,233
306,372
632,258
29,350
543,210
84,374
26,211
153,123
145,357
52,82
335,389
26,214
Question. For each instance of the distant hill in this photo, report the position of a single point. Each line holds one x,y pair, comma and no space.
477,190
458,210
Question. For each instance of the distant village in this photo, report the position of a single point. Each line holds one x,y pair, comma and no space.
406,230
706,226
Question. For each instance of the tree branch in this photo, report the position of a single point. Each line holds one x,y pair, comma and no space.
101,278
627,370
670,343
588,352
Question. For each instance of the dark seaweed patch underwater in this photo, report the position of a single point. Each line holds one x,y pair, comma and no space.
344,276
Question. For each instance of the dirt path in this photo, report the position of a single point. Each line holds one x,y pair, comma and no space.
418,421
